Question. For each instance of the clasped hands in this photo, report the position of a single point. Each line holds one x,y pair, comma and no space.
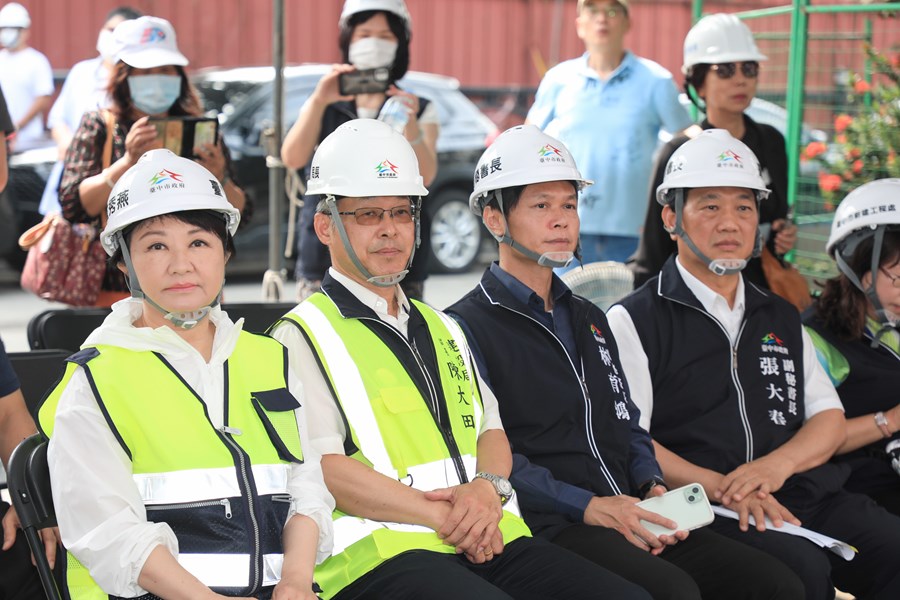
467,516
748,491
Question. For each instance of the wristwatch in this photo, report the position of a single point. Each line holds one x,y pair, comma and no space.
645,488
501,485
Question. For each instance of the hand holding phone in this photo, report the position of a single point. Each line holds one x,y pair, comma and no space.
688,506
364,81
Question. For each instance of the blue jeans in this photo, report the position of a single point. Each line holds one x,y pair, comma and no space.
597,247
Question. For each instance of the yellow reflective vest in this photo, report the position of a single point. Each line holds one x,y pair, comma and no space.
393,426
222,491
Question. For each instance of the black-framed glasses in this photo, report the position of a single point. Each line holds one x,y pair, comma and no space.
372,215
895,279
750,69
610,12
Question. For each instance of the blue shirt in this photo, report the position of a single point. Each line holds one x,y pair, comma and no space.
535,482
611,127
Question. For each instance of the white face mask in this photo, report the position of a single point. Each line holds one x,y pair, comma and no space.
371,53
106,45
10,36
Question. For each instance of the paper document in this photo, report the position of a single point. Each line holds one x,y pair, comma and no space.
842,549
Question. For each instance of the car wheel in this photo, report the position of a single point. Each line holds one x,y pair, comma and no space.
455,232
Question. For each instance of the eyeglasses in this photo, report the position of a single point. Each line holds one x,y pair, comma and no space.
895,279
372,215
610,12
749,68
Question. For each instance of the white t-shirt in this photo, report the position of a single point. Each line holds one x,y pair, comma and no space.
84,90
25,76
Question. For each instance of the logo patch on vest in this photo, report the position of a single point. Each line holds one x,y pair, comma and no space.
780,378
616,384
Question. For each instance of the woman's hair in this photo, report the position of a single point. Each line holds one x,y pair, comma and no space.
188,103
207,220
126,12
695,78
398,28
843,306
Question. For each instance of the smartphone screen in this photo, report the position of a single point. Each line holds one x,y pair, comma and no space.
182,134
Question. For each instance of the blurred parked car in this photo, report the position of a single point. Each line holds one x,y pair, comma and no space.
243,98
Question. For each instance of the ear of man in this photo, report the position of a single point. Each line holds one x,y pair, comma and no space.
324,227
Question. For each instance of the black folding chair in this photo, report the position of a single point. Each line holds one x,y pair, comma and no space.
258,316
65,328
29,489
38,371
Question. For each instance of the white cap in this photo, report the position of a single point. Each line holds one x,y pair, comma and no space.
398,7
161,183
717,39
712,159
871,205
147,42
365,157
522,155
14,15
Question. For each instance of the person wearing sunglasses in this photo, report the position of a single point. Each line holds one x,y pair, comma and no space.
721,68
854,328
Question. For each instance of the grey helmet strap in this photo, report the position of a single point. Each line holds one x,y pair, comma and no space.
182,319
871,294
548,259
390,279
718,266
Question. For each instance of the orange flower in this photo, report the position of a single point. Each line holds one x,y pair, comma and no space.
829,183
857,166
814,149
861,86
895,61
841,122
840,139
848,175
854,153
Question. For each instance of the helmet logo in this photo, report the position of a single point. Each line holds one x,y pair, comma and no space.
166,180
153,34
117,202
676,164
386,169
866,212
216,188
729,159
314,172
550,153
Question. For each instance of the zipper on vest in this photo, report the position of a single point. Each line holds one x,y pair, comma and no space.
586,396
742,405
446,432
224,502
249,494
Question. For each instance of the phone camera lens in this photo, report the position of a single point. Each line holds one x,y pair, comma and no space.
695,490
691,498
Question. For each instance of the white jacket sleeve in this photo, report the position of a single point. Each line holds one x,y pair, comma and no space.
101,516
309,496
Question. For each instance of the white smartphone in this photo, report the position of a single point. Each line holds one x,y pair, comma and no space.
688,506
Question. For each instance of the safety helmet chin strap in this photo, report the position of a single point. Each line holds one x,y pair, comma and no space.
883,316
719,266
385,281
547,259
183,319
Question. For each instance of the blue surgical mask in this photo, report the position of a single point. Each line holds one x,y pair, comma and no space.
154,94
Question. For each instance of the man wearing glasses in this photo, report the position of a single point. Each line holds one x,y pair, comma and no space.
411,441
608,106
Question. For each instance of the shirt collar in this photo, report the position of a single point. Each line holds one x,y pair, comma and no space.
706,295
372,300
559,291
622,71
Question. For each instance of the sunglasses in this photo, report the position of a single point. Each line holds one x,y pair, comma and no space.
373,215
749,68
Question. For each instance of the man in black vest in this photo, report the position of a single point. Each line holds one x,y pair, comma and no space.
730,389
582,461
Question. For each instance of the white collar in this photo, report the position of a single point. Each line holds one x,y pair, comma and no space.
374,301
708,297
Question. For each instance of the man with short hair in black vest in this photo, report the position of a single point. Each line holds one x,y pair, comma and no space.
729,387
582,461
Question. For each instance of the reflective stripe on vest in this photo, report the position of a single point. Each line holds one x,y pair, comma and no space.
349,353
205,484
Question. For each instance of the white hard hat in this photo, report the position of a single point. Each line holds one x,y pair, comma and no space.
161,183
522,155
398,7
871,205
365,157
719,38
712,159
14,15
147,42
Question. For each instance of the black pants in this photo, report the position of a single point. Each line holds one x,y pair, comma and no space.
705,565
853,518
528,569
18,578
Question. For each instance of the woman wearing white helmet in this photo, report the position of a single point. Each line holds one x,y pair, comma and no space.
721,67
854,327
178,449
373,34
147,80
